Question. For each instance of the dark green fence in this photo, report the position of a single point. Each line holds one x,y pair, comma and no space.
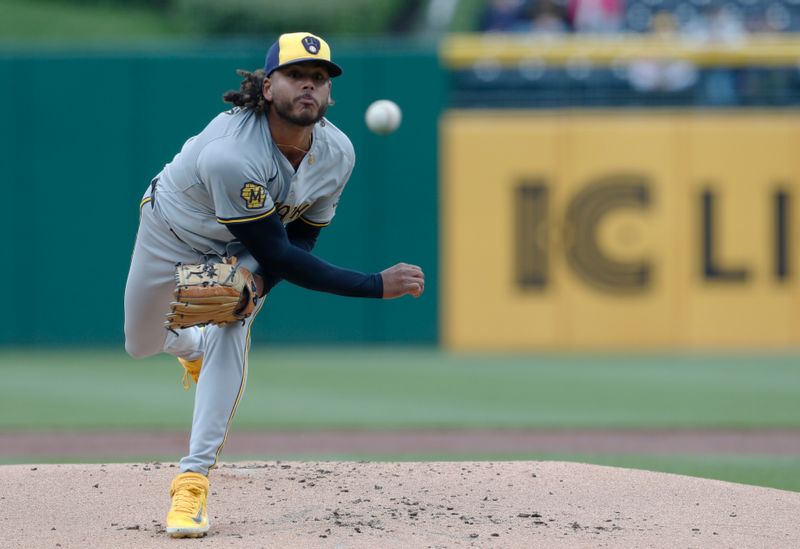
83,133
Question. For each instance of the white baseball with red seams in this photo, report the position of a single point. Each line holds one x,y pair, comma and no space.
383,116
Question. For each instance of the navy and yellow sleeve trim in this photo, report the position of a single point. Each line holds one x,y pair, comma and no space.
314,223
144,201
228,221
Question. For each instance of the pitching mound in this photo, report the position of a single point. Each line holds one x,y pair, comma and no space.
463,504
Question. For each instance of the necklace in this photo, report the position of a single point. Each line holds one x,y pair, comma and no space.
304,151
311,159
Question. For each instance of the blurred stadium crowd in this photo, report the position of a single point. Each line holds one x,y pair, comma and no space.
675,53
714,20
538,81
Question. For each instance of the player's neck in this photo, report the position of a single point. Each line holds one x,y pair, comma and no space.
292,140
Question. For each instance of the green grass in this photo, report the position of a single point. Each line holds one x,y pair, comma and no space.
408,388
422,388
772,471
29,20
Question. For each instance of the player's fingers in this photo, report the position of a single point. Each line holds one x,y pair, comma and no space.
407,268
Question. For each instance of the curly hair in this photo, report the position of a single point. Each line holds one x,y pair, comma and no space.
249,95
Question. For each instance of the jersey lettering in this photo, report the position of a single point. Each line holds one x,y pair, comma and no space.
288,213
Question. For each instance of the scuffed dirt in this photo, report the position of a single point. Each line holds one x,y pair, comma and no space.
368,505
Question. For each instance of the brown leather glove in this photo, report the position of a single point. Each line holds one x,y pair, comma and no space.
209,293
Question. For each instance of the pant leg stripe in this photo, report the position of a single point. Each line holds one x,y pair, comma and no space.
241,387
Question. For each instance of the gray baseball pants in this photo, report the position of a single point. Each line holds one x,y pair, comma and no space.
148,293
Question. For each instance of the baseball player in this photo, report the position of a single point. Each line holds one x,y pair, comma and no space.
258,183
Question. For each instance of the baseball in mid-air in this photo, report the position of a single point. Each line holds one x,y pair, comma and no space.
383,116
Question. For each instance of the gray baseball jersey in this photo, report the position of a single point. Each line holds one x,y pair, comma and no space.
233,172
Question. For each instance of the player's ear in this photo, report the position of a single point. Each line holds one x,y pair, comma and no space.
266,89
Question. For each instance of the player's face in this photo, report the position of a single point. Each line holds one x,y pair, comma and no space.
299,93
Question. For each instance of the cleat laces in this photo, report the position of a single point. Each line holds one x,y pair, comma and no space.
185,380
186,496
191,369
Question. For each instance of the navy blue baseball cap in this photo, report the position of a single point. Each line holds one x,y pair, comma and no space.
299,47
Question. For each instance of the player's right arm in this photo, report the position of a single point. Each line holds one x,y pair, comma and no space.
266,240
301,235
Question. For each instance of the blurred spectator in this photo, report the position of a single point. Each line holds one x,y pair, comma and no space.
546,17
502,15
718,24
662,75
777,17
596,16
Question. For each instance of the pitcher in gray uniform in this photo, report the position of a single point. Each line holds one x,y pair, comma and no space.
259,183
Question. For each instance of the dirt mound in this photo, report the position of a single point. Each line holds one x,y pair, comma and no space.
346,504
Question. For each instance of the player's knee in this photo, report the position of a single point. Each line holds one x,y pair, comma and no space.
136,349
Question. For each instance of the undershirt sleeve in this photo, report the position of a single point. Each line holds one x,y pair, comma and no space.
301,235
267,241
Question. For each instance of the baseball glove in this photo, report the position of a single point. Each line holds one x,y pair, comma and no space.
211,294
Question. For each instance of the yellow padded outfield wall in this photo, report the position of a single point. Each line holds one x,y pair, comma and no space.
620,230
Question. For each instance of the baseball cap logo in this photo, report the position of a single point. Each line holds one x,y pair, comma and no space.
311,44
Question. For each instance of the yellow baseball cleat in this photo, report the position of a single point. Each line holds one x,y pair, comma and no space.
188,515
191,368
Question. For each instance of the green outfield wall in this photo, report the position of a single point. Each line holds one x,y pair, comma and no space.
83,132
